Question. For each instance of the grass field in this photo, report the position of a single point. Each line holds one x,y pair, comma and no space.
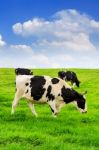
69,131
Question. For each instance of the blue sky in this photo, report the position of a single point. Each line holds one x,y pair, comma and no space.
49,34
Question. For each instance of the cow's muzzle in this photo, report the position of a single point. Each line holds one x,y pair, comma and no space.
83,111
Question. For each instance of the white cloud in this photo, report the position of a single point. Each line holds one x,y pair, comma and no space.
2,43
94,24
26,56
22,49
66,20
68,29
61,42
30,27
17,28
78,43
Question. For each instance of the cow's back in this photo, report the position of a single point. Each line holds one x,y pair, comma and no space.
40,88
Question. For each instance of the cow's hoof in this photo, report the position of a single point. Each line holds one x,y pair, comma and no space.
54,116
36,115
12,112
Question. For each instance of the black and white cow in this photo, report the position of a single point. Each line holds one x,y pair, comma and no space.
23,71
53,91
69,76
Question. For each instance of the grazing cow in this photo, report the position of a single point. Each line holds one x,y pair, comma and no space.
44,89
69,76
23,71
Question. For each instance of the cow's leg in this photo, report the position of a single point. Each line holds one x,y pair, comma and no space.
17,97
53,108
75,103
31,106
59,105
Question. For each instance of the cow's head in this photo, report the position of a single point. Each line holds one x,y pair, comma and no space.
81,103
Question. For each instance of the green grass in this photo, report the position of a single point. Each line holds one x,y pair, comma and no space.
69,131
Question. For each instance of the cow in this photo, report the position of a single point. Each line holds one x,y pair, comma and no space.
23,71
69,76
44,89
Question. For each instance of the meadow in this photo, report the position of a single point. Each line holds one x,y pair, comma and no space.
69,131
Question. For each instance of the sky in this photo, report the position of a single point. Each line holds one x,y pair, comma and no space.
49,33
